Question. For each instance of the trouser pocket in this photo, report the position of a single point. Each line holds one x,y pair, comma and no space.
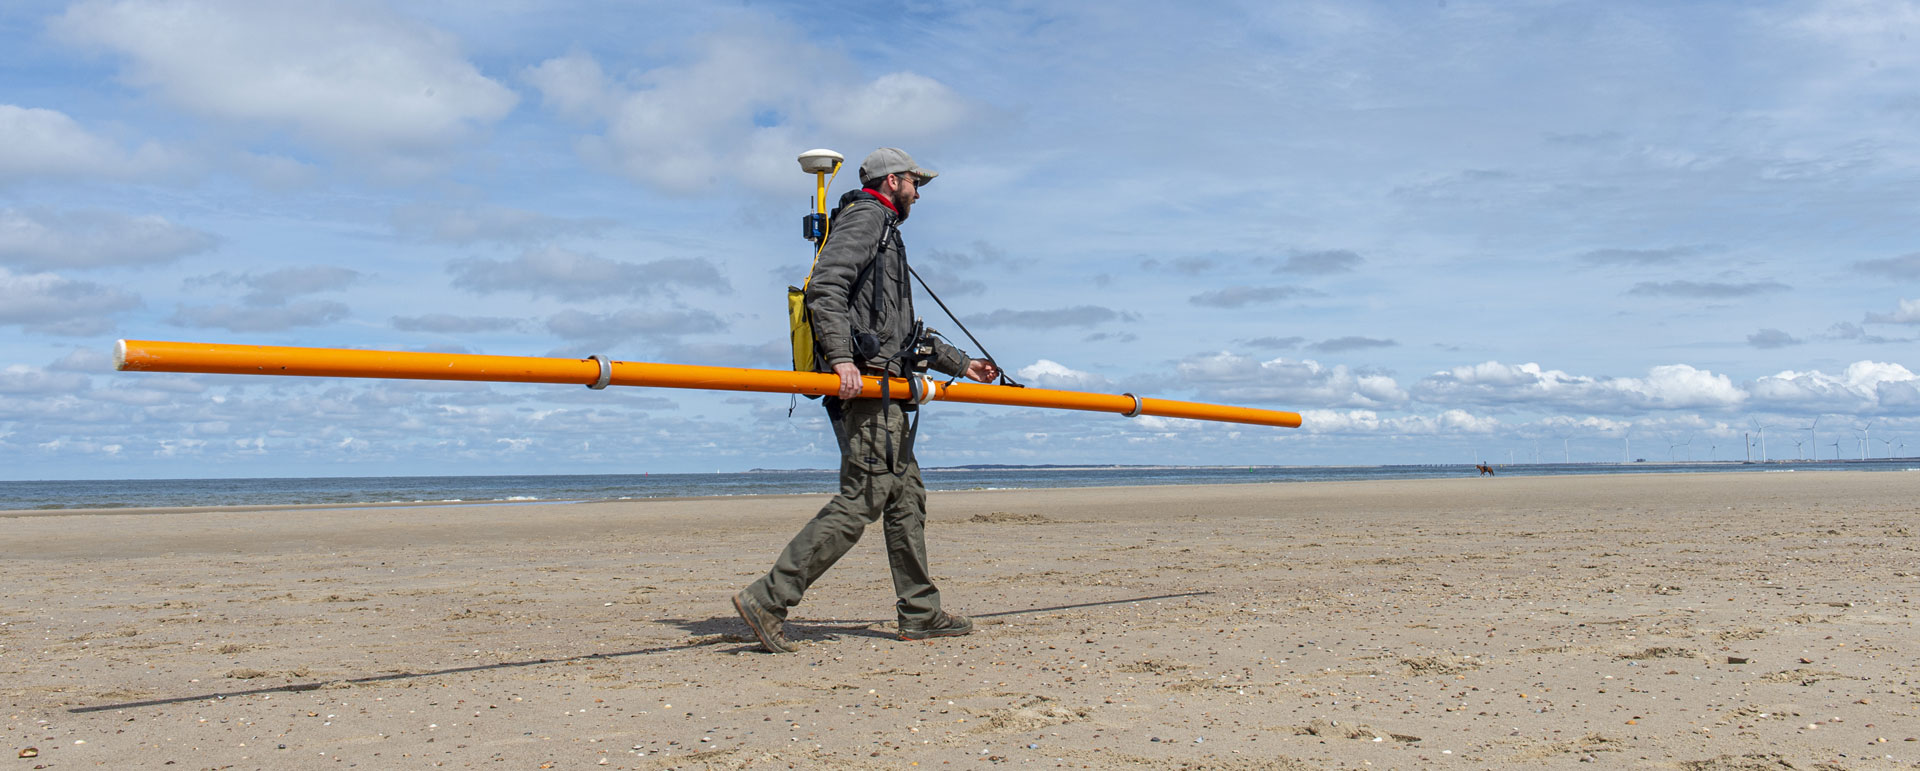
873,437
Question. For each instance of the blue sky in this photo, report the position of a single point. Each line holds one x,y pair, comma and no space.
1443,232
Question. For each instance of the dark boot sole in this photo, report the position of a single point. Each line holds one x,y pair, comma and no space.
928,635
766,642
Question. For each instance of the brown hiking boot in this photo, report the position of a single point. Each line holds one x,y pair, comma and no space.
769,628
943,624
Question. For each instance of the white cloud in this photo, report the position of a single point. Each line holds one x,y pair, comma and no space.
273,172
1717,290
1047,373
1668,386
737,107
48,303
768,355
247,318
1772,338
266,307
302,421
1847,330
1077,316
1900,396
1322,263
277,286
1860,388
573,86
178,447
1905,267
1865,386
351,76
1907,313
22,379
445,323
1465,422
85,361
1866,30
905,103
1237,296
1302,383
468,225
36,142
1562,424
607,329
1371,422
41,239
133,396
684,127
567,275
1351,343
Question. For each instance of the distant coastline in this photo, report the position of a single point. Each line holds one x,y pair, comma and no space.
1287,466
527,488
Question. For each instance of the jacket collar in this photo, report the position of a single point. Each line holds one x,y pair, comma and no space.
882,199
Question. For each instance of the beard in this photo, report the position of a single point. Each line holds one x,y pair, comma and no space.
901,203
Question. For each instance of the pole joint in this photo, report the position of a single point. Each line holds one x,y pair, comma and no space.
606,373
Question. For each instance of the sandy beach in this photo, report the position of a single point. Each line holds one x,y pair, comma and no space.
1692,621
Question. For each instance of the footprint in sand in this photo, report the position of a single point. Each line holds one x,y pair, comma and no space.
1008,518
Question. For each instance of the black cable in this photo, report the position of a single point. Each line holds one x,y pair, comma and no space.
1004,380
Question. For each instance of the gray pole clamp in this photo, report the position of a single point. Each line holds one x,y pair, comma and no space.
606,373
1138,406
920,389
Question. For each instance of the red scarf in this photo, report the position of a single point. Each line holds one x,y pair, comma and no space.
883,200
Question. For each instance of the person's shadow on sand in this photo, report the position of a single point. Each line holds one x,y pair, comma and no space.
709,631
730,629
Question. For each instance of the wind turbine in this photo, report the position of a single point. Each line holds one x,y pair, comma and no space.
1812,439
1763,437
1866,437
1687,444
1797,444
1889,444
1836,449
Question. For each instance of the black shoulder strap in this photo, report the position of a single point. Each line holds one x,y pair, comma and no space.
866,273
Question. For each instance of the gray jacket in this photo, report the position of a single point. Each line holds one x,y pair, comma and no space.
860,284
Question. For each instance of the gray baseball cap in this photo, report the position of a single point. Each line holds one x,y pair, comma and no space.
893,160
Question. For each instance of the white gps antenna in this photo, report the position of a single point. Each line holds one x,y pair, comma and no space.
820,163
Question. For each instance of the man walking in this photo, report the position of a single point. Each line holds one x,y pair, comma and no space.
862,310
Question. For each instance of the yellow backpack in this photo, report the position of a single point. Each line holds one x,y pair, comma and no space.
799,321
804,355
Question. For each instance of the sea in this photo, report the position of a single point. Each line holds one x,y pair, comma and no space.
563,488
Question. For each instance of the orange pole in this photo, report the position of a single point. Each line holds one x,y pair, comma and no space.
216,358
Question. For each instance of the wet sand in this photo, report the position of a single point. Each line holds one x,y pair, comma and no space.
1702,622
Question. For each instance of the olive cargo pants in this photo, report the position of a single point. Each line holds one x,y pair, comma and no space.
869,491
